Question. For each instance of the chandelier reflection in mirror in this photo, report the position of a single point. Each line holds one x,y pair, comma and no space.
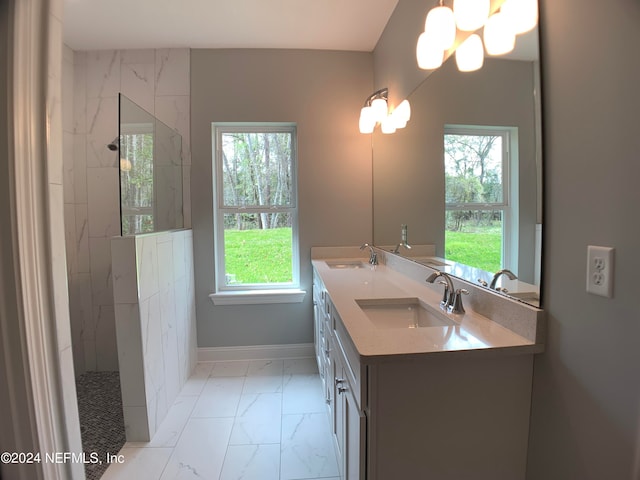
376,112
514,17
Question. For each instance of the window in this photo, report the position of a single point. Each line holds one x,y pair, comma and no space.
479,219
256,218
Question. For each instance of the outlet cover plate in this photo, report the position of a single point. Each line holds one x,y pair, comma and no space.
600,270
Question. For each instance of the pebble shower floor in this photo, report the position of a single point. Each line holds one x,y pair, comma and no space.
101,419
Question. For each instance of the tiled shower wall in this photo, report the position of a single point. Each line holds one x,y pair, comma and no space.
158,81
156,324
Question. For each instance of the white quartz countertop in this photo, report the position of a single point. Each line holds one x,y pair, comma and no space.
472,333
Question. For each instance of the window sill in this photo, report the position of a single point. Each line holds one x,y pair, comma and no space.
258,297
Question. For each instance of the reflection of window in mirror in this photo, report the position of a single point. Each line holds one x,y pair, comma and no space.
481,197
136,181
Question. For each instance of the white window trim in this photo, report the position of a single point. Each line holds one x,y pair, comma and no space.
258,297
254,294
510,190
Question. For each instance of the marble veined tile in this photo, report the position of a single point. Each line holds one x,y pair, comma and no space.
251,462
130,354
198,379
101,129
79,157
174,111
302,394
165,264
123,261
219,397
265,368
106,343
307,449
103,202
171,428
200,451
230,369
172,71
147,463
293,366
257,420
103,73
138,84
264,376
144,55
101,281
147,254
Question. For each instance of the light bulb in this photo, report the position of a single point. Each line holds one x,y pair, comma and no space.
498,35
367,123
523,14
403,111
387,125
470,54
429,53
471,14
441,25
379,109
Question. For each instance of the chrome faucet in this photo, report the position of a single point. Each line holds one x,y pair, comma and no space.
373,256
452,298
403,240
494,280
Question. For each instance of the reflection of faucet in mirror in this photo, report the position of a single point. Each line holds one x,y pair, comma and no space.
373,256
508,273
403,240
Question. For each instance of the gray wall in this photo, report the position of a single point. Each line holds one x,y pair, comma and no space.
322,92
586,395
587,384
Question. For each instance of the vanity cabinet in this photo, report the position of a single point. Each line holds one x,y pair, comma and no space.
444,415
341,381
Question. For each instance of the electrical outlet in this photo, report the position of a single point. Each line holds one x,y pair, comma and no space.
600,270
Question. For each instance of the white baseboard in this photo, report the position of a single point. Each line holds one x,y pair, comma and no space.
255,352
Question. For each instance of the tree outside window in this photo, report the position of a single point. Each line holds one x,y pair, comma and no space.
256,213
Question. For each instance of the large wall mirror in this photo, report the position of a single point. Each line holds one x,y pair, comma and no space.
465,175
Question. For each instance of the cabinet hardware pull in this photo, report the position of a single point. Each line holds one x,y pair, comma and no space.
342,390
339,381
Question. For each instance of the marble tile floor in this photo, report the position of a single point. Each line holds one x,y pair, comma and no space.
249,420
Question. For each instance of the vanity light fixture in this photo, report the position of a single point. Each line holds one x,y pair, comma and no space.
500,29
375,111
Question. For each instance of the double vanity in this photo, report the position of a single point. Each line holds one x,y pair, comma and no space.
415,392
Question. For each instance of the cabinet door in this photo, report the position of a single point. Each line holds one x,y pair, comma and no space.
318,331
337,412
354,433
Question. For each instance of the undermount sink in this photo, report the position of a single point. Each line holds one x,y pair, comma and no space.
432,262
530,296
345,264
402,313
